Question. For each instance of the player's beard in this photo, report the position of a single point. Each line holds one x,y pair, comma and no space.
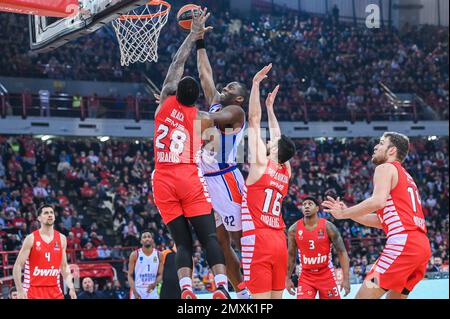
378,160
226,99
148,246
49,223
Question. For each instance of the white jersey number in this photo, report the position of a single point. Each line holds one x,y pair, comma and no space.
414,198
47,256
276,209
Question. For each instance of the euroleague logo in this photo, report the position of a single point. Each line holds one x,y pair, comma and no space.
321,233
38,245
300,234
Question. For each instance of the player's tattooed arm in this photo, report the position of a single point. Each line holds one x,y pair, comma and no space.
22,257
344,260
292,249
176,68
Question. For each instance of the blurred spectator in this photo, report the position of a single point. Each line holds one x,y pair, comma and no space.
72,241
93,105
318,61
90,252
89,290
101,231
44,98
114,291
198,286
103,252
12,294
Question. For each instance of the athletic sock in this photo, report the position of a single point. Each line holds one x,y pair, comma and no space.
221,280
243,294
186,283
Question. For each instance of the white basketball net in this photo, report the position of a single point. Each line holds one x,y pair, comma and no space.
138,32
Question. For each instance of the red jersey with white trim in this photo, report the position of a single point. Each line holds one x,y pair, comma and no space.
261,202
403,211
175,141
43,267
314,246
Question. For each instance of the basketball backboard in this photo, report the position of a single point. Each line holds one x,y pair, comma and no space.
48,33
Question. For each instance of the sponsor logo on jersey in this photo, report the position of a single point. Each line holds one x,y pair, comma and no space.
141,259
319,259
300,234
52,272
38,245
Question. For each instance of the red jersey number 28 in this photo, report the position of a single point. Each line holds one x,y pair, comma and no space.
177,139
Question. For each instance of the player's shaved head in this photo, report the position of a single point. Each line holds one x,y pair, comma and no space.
234,93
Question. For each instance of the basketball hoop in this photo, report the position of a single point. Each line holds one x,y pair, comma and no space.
138,32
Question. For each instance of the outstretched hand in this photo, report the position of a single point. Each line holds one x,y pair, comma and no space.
199,23
335,207
262,74
271,98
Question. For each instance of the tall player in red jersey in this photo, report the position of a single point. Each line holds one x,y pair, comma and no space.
312,237
396,200
44,256
179,188
263,242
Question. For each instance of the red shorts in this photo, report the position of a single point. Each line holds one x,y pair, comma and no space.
403,262
51,292
264,260
180,190
323,281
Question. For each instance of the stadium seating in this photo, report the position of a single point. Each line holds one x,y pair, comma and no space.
103,197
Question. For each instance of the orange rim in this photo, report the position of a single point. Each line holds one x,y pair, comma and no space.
151,15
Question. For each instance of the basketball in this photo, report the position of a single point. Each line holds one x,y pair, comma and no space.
185,15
